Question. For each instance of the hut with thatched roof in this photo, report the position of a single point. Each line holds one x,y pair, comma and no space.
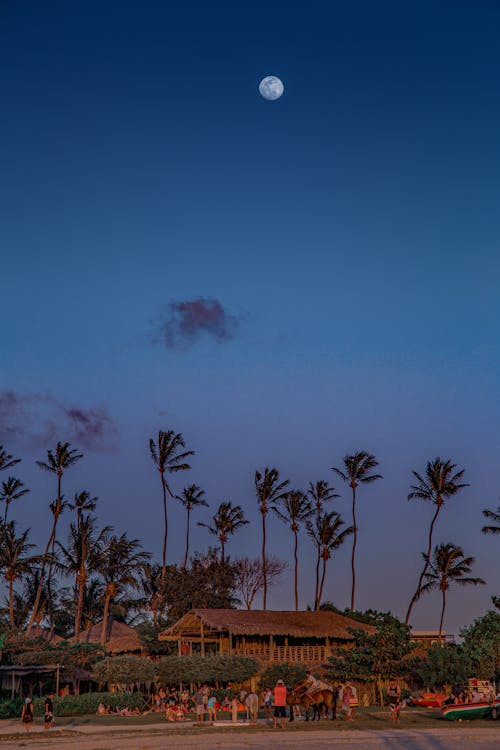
269,635
121,639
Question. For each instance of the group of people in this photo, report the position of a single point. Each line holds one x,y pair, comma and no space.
466,695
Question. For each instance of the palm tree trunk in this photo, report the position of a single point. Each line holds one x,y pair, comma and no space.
320,592
165,530
296,561
79,606
424,570
316,587
105,617
187,539
222,552
442,615
38,596
264,562
354,543
5,513
11,602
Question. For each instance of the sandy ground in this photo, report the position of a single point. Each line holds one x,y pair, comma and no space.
154,737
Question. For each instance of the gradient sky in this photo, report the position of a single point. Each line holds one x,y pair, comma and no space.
347,234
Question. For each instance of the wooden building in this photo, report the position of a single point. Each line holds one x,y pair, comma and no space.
268,635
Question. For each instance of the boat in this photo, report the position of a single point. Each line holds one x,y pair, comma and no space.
482,710
429,700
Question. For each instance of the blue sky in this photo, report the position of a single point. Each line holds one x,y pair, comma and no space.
350,231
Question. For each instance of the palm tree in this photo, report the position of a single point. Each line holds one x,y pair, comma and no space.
328,534
151,590
320,494
226,522
14,560
294,508
82,502
167,459
57,463
192,497
7,461
440,482
11,490
494,516
120,563
81,558
269,490
447,567
357,470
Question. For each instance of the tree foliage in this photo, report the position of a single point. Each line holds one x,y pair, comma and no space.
481,640
175,669
123,670
290,673
444,664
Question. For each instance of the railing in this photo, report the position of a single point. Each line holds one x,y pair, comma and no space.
286,653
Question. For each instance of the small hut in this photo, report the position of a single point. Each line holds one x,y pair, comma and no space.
268,635
121,639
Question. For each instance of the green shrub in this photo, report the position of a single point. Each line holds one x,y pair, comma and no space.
289,673
123,670
11,709
76,705
175,669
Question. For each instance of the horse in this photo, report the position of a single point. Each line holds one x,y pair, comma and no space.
251,703
322,699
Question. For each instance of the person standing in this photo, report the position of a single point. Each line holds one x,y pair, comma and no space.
279,704
234,708
347,696
212,707
394,695
27,714
48,712
199,702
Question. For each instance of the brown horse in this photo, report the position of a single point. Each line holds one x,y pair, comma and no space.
319,701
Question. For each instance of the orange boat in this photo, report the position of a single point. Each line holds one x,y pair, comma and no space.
429,700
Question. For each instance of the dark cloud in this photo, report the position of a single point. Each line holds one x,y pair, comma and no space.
40,418
189,320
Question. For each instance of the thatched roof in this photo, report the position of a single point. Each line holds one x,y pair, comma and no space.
266,622
120,638
45,633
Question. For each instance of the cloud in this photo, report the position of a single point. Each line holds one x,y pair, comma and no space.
40,418
188,321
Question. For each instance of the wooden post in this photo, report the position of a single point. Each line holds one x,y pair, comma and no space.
202,633
179,649
328,646
271,648
58,671
243,645
230,643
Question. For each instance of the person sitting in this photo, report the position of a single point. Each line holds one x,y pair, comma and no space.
311,683
101,709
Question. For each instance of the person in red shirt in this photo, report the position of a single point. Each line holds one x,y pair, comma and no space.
279,703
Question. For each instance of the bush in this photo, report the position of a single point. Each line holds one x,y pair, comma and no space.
123,670
175,669
11,709
289,673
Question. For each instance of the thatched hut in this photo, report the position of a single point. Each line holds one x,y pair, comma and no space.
121,639
273,636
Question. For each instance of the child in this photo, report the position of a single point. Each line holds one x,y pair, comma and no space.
234,708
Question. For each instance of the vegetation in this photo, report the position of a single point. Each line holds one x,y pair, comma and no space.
320,494
226,522
492,515
294,508
290,673
269,491
191,497
176,669
123,670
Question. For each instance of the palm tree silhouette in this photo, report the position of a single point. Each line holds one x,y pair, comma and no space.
81,503
357,470
191,497
269,490
81,558
14,561
294,508
11,490
151,590
447,566
7,461
57,463
120,563
440,482
226,522
494,516
168,457
328,533
320,494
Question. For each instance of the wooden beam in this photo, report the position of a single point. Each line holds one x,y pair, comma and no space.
202,638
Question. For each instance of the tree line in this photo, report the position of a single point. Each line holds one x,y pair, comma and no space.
105,568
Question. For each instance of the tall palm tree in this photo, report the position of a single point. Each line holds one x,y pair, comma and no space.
328,533
226,522
11,490
81,558
441,481
294,508
120,565
357,470
168,457
269,490
151,590
58,461
320,494
448,566
7,461
14,560
494,516
81,503
192,497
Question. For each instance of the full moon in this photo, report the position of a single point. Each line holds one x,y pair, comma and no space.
271,88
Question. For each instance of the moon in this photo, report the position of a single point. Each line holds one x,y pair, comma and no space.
271,88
